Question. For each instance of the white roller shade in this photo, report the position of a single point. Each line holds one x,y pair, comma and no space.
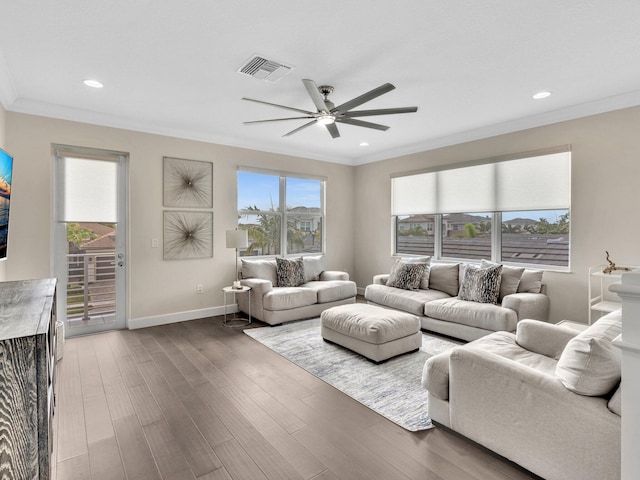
534,183
413,194
90,188
468,189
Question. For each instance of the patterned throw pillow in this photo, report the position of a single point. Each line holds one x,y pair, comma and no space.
406,275
481,284
290,273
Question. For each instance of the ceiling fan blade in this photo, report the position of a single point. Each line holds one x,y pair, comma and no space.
380,111
333,130
365,97
274,120
300,128
279,106
360,123
315,95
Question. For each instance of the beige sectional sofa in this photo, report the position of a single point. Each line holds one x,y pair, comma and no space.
546,397
441,310
274,304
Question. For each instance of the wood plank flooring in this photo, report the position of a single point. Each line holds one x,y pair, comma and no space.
196,400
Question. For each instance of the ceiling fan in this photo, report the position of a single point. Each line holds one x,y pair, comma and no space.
328,114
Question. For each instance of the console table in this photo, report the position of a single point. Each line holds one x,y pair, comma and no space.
27,378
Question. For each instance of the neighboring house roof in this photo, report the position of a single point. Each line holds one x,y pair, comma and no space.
417,219
520,221
465,218
106,239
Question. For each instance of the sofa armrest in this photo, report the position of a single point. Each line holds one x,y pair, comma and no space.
528,305
526,415
543,338
435,375
258,286
334,275
381,279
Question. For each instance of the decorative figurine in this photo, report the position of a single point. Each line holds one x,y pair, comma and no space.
612,266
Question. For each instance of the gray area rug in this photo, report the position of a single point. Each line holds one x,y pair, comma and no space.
391,389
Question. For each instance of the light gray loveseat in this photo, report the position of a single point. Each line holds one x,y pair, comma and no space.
547,397
274,304
436,300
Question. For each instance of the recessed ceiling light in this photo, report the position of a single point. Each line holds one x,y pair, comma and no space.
541,95
93,83
364,144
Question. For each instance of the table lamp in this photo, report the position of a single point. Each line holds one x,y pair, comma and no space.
237,239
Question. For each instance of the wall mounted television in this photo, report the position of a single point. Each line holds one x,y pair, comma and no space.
6,169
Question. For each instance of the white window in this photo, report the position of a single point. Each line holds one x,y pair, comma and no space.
510,210
268,201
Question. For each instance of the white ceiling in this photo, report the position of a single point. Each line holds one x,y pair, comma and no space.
471,66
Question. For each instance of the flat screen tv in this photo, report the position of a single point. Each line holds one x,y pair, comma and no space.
6,168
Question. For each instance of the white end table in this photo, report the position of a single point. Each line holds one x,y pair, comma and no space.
236,321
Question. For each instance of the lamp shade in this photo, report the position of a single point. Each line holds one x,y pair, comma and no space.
237,239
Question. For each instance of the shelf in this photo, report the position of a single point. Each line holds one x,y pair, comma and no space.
606,306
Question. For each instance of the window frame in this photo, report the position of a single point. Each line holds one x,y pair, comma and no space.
281,210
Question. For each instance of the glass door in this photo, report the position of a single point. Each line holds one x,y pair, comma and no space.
90,239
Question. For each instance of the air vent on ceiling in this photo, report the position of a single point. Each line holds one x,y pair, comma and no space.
263,69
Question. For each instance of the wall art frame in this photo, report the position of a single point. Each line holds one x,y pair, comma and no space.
187,183
187,234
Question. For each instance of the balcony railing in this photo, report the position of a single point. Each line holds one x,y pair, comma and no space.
91,286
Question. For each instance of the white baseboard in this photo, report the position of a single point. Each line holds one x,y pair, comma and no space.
155,320
360,290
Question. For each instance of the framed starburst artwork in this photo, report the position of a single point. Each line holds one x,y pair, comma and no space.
187,183
187,235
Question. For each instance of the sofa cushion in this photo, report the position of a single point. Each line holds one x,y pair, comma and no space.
435,375
509,279
481,315
286,298
290,273
444,277
481,284
531,281
263,269
411,301
332,290
313,267
406,275
589,364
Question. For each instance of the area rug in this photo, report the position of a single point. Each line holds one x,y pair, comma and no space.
391,389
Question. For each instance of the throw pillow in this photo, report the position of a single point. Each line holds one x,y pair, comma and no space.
444,277
290,272
531,281
424,282
406,275
509,280
481,285
589,364
312,267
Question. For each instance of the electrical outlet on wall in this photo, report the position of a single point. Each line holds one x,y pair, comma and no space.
199,288
155,243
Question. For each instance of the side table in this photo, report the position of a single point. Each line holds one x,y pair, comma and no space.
235,321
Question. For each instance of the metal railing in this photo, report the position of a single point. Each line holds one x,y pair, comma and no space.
91,285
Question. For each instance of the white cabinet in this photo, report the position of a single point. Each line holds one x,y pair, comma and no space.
601,300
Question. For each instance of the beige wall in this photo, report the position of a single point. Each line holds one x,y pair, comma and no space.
605,213
156,287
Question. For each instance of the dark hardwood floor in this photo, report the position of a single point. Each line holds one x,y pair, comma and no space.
196,400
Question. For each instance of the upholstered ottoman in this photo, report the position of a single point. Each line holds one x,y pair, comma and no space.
374,332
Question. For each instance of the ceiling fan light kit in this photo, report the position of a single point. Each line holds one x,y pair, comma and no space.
328,114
